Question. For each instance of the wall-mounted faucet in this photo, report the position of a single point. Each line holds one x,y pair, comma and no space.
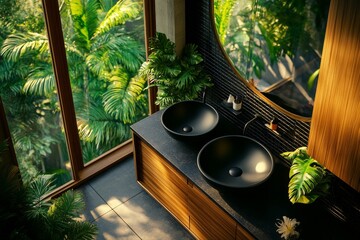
256,116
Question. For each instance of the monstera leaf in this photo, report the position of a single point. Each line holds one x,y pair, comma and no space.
308,178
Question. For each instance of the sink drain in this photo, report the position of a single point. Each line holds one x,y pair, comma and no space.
235,172
187,129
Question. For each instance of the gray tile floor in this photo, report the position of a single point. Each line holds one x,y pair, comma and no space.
121,209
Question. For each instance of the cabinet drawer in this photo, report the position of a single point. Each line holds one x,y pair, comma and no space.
202,217
207,220
162,181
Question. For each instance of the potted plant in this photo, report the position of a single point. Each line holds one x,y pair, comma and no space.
178,78
26,214
308,178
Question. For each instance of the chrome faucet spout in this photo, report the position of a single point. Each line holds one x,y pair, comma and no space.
256,116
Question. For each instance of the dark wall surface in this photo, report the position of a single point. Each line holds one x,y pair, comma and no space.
343,202
199,30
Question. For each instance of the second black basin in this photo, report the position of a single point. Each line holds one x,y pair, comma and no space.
189,120
235,162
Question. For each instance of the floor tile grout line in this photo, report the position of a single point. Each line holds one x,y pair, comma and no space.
141,191
120,200
127,224
104,202
113,209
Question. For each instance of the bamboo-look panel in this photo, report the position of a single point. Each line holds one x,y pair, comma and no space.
242,234
163,183
207,220
335,127
201,216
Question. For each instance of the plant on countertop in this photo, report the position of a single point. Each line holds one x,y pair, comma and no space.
308,178
25,214
178,78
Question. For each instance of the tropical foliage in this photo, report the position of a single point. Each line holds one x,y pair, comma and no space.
276,46
104,44
275,29
178,78
308,178
27,215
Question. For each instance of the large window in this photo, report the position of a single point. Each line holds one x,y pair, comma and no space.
69,82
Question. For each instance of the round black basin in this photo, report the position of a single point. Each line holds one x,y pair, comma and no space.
189,120
235,162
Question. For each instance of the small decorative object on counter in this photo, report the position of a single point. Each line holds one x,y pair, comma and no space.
237,104
230,99
286,228
274,124
308,178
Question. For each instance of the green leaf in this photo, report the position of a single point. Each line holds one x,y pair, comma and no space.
177,78
312,78
17,45
121,12
308,178
300,152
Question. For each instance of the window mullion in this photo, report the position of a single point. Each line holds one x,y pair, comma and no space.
58,53
150,31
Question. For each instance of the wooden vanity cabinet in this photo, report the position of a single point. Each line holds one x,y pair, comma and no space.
166,185
207,220
186,202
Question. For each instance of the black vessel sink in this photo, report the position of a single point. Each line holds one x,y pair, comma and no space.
189,120
235,162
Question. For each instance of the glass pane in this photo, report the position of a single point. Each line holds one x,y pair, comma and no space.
105,48
276,46
29,94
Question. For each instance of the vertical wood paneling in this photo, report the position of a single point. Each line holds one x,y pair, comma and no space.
207,220
163,182
335,128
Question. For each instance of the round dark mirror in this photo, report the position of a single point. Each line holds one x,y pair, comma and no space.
275,46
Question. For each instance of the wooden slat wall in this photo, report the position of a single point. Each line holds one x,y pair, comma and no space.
335,127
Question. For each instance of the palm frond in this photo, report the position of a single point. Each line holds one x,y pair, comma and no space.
123,97
38,187
40,81
101,128
223,14
28,215
17,45
123,11
112,50
10,72
92,17
81,231
69,204
78,15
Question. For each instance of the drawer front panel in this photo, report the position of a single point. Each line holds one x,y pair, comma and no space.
163,182
207,220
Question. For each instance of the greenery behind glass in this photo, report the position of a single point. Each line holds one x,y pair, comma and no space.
272,43
104,43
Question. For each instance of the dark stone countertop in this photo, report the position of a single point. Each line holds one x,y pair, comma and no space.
256,209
